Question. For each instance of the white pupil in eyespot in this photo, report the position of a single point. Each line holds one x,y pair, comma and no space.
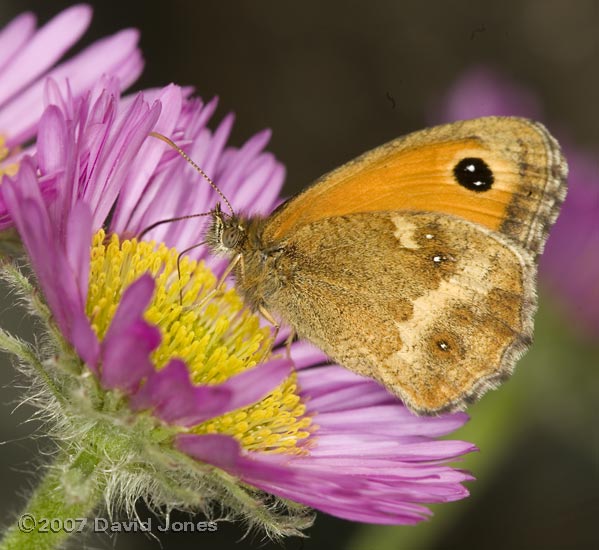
471,168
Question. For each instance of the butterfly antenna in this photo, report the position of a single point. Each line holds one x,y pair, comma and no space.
169,220
174,146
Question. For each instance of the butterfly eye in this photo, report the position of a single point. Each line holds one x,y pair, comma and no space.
474,174
231,236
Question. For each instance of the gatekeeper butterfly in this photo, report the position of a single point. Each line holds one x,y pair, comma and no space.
414,264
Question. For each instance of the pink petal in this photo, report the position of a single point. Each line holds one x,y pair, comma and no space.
146,161
392,420
133,303
85,341
14,35
26,207
78,245
215,449
305,354
126,357
123,146
129,340
175,399
52,141
105,56
259,190
359,496
208,152
44,49
233,173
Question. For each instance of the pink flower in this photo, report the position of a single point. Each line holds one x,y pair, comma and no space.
292,427
369,459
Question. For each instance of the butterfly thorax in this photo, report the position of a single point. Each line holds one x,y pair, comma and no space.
241,239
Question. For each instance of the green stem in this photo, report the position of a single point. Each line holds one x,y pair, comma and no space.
13,275
23,351
59,507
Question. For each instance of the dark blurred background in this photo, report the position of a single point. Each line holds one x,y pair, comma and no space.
333,79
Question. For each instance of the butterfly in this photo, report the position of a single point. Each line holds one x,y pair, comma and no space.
414,264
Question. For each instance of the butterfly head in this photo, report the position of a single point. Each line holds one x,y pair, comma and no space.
227,233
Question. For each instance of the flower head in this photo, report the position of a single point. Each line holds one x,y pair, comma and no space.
187,402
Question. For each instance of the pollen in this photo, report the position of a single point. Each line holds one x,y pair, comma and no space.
9,169
277,424
214,334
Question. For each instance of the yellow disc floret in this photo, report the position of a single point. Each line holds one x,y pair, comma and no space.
275,424
214,334
10,169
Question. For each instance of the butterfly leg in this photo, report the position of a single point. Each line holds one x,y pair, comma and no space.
179,258
289,341
267,315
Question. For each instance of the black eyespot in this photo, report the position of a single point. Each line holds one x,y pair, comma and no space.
474,174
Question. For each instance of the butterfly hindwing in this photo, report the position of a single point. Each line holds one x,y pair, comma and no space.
433,306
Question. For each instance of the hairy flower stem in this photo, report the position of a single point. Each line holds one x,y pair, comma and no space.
67,495
24,352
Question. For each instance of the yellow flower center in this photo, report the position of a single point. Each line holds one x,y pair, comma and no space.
216,337
8,169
